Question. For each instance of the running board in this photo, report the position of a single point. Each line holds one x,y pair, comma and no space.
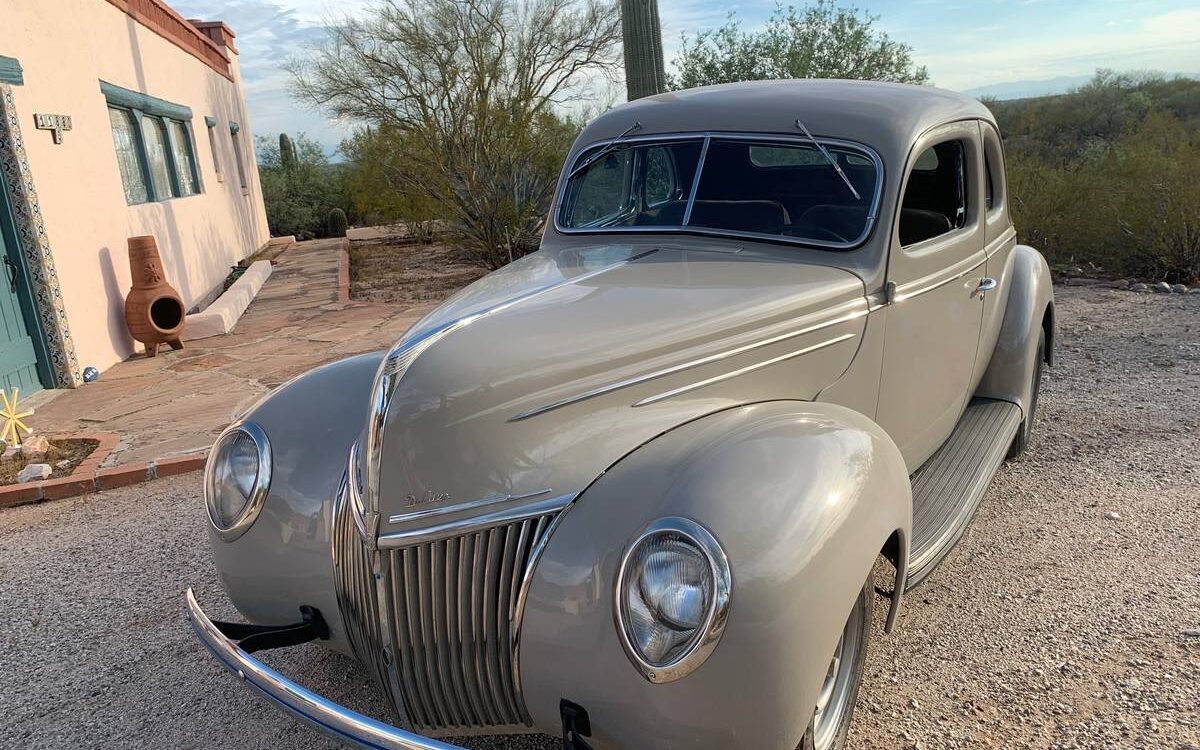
947,488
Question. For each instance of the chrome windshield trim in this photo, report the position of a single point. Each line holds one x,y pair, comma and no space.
706,136
467,505
741,371
336,721
859,310
687,212
424,535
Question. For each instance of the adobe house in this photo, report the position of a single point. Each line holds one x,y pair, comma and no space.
117,118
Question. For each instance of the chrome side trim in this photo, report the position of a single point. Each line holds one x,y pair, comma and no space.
859,312
409,538
468,505
718,612
920,286
262,480
741,371
336,721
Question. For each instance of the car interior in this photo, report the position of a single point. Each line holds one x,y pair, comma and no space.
789,190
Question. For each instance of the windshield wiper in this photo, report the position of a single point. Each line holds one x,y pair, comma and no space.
829,157
612,146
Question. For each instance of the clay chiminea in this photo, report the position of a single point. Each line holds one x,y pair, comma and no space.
153,309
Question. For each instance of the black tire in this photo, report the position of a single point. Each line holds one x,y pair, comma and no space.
1025,432
858,623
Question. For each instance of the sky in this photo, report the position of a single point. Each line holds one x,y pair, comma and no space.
998,47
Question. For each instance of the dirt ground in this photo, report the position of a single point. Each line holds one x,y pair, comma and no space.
407,274
64,455
1064,619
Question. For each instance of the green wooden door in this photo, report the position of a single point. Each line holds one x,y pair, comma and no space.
18,357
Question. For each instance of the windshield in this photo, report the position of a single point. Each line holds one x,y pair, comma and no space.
781,189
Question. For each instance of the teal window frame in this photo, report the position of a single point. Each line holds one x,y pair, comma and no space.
145,107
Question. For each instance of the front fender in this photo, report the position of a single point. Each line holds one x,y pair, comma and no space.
801,496
284,560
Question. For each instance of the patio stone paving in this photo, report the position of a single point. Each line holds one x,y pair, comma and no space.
177,402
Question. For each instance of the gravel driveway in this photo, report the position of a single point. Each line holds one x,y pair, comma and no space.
1062,620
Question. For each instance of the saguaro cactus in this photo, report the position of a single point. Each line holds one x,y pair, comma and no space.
642,36
287,152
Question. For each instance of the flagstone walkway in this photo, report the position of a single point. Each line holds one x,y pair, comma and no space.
176,403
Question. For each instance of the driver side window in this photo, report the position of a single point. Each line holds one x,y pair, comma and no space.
935,200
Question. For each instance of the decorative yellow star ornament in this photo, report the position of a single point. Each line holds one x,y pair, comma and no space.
12,418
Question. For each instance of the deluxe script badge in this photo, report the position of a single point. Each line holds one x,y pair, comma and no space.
413,501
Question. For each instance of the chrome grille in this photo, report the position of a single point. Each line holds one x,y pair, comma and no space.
355,582
450,610
454,603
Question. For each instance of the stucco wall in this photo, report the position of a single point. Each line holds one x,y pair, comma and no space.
66,47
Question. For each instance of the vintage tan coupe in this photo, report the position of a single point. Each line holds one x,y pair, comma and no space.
631,489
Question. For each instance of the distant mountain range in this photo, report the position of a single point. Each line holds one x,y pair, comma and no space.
1041,87
1026,89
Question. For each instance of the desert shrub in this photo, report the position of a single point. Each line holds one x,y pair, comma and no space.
1108,177
300,187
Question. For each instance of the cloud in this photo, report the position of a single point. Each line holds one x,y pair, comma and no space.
269,34
1164,42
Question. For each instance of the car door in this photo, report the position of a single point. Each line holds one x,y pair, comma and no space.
936,268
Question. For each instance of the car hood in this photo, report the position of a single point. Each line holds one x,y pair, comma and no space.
535,379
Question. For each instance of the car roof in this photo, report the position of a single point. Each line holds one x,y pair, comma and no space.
885,116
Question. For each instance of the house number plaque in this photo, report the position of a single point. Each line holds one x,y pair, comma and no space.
56,124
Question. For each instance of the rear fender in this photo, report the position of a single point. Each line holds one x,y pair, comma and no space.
1030,304
801,496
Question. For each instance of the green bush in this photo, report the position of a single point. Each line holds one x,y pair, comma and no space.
300,187
335,224
1108,177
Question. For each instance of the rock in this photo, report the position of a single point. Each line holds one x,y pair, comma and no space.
1112,515
11,451
1161,287
1179,289
35,446
33,472
912,703
1139,287
62,464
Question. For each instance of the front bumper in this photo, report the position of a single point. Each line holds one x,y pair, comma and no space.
338,722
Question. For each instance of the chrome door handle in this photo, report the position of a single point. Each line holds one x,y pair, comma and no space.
986,284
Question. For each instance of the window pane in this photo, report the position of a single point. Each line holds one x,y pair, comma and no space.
125,141
185,160
156,156
935,200
634,185
785,189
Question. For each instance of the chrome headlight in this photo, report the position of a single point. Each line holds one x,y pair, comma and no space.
237,477
672,598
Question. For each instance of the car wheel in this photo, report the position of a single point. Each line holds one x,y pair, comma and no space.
839,690
1021,441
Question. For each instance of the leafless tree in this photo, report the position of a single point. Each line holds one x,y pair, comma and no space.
477,87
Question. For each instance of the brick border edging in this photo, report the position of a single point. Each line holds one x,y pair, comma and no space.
88,477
